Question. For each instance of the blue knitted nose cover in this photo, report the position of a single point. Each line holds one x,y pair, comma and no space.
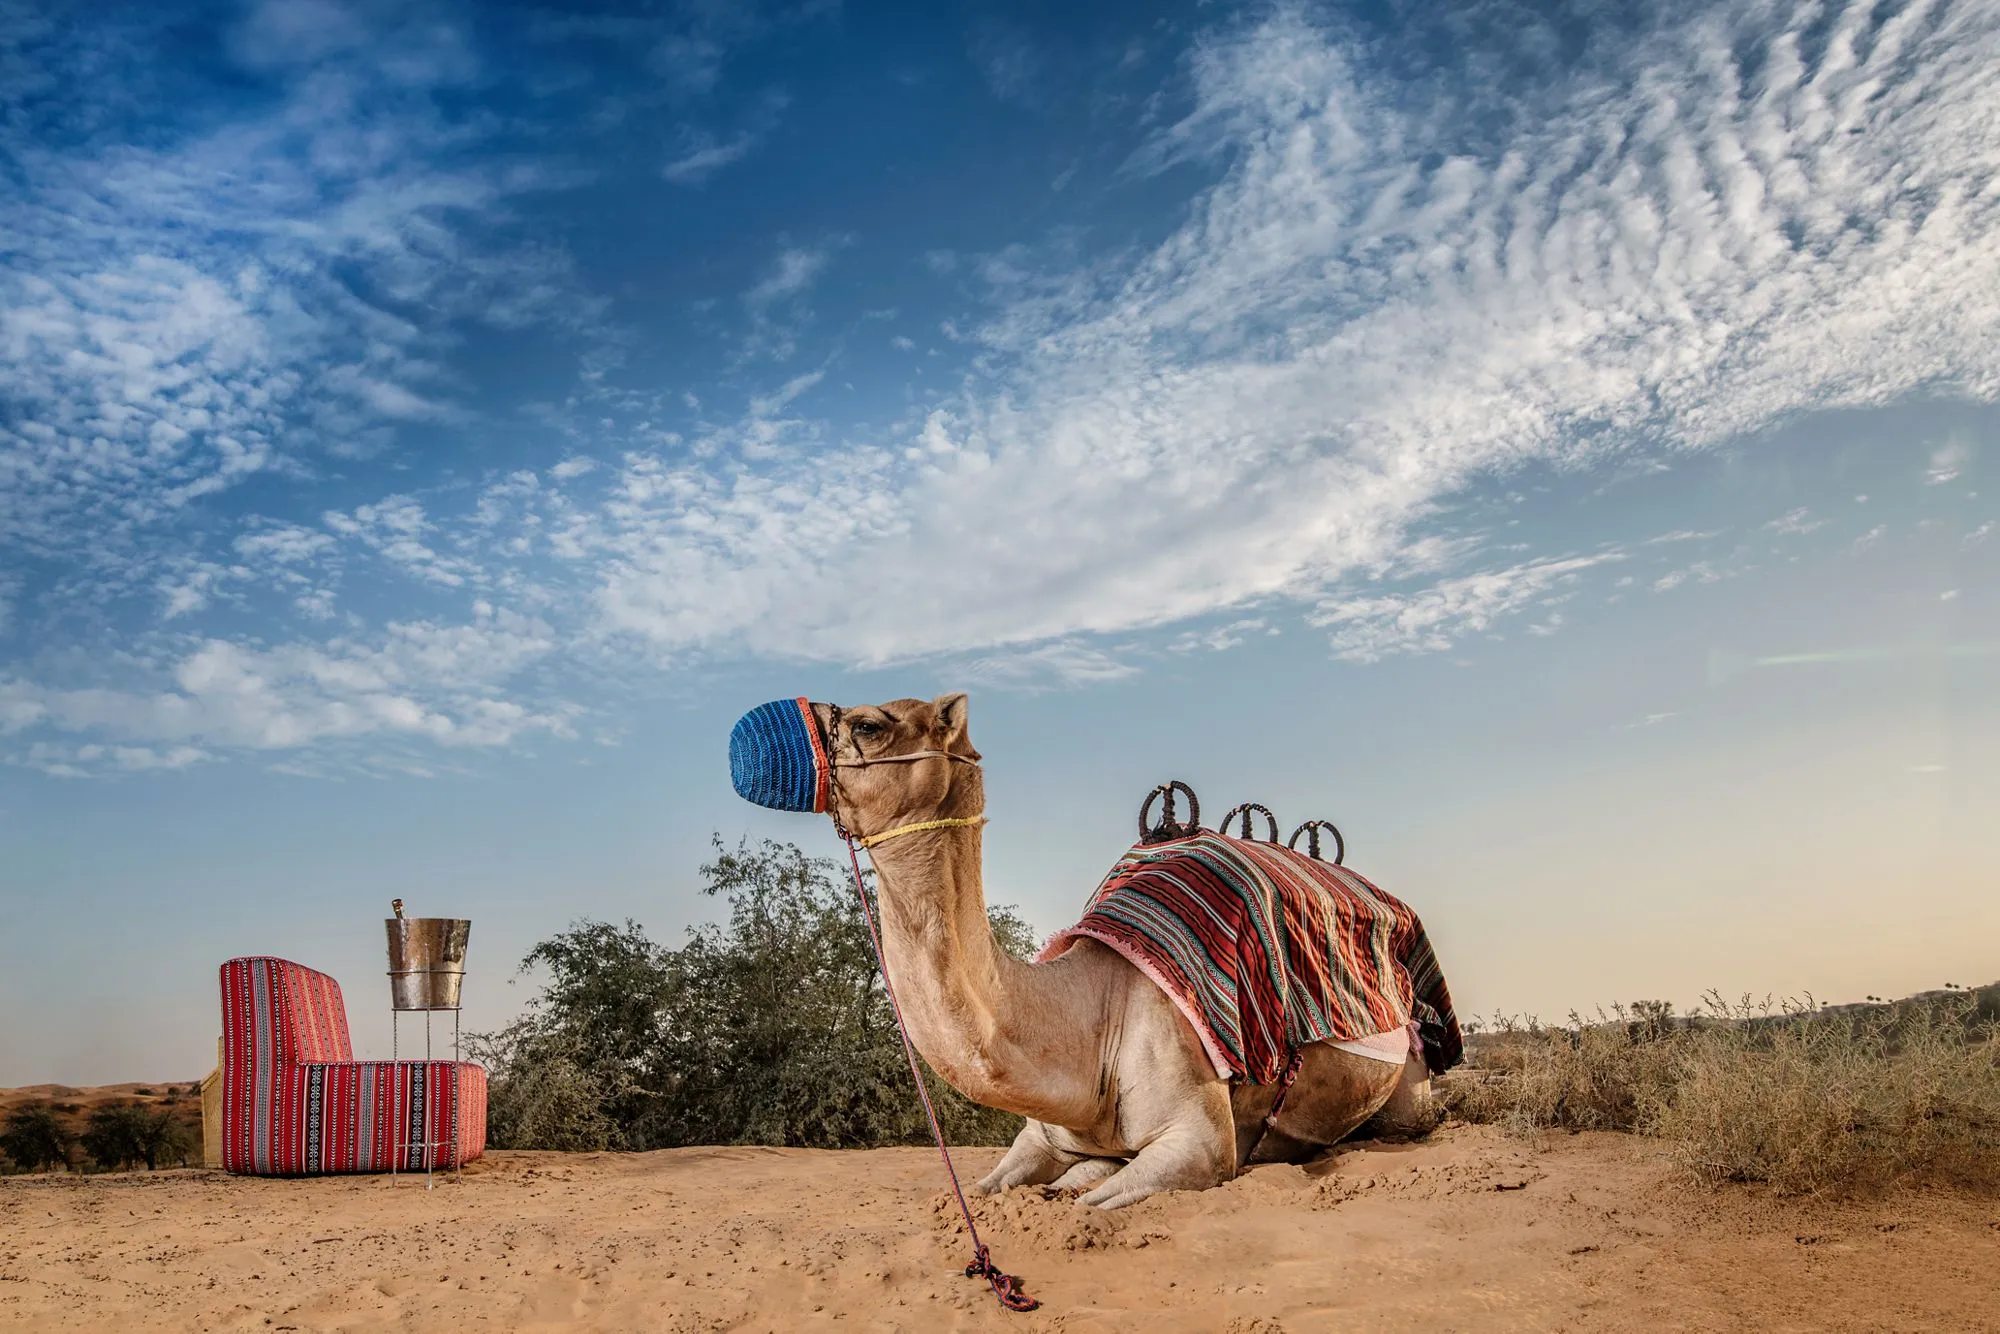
776,759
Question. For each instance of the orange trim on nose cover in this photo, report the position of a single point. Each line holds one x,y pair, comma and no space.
822,769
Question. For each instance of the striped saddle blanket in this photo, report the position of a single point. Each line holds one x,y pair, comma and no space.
1266,950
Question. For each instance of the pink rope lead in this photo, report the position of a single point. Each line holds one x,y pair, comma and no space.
1006,1287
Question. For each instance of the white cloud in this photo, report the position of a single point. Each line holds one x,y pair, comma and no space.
791,274
1702,572
191,592
295,32
1221,638
707,156
776,303
134,390
1366,629
1007,61
1052,666
179,314
691,63
394,527
1948,461
1684,241
443,684
1795,523
283,544
1731,216
316,604
71,761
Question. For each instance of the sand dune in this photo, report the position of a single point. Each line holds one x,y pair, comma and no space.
1467,1232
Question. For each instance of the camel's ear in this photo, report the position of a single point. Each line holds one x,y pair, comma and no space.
950,711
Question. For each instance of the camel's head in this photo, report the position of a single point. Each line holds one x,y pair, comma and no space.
874,766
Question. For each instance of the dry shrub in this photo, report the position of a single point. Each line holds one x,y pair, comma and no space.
1602,1075
1806,1099
1814,1102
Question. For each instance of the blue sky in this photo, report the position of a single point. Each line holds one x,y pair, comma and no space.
1549,440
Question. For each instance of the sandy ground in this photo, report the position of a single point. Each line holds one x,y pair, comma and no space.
1469,1231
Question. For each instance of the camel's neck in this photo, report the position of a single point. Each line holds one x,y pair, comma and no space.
1002,1032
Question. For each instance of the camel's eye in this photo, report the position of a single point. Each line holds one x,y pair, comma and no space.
864,730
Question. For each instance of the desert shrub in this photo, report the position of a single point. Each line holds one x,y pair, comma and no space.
119,1135
770,1029
176,1137
35,1138
1603,1075
546,1094
580,1069
115,1135
1821,1102
1806,1099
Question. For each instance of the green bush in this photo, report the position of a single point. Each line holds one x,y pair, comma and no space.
770,1029
35,1138
120,1135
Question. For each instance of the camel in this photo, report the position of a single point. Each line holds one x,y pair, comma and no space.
1121,1099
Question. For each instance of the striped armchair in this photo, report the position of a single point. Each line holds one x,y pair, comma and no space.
295,1102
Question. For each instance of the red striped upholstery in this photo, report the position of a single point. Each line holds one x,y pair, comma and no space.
1266,950
295,1102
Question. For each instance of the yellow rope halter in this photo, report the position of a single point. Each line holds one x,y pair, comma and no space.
919,828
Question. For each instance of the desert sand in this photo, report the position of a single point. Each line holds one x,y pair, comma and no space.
80,1102
1469,1231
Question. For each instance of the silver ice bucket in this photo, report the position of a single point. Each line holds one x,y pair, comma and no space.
426,961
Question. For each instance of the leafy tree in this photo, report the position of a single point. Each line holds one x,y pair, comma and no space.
770,1029
115,1136
170,1139
35,1137
571,1073
121,1134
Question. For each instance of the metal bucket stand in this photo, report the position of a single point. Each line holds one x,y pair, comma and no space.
426,972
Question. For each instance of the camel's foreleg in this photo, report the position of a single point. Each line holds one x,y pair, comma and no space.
1032,1161
1087,1173
1193,1152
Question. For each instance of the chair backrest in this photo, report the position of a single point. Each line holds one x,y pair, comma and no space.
282,1013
